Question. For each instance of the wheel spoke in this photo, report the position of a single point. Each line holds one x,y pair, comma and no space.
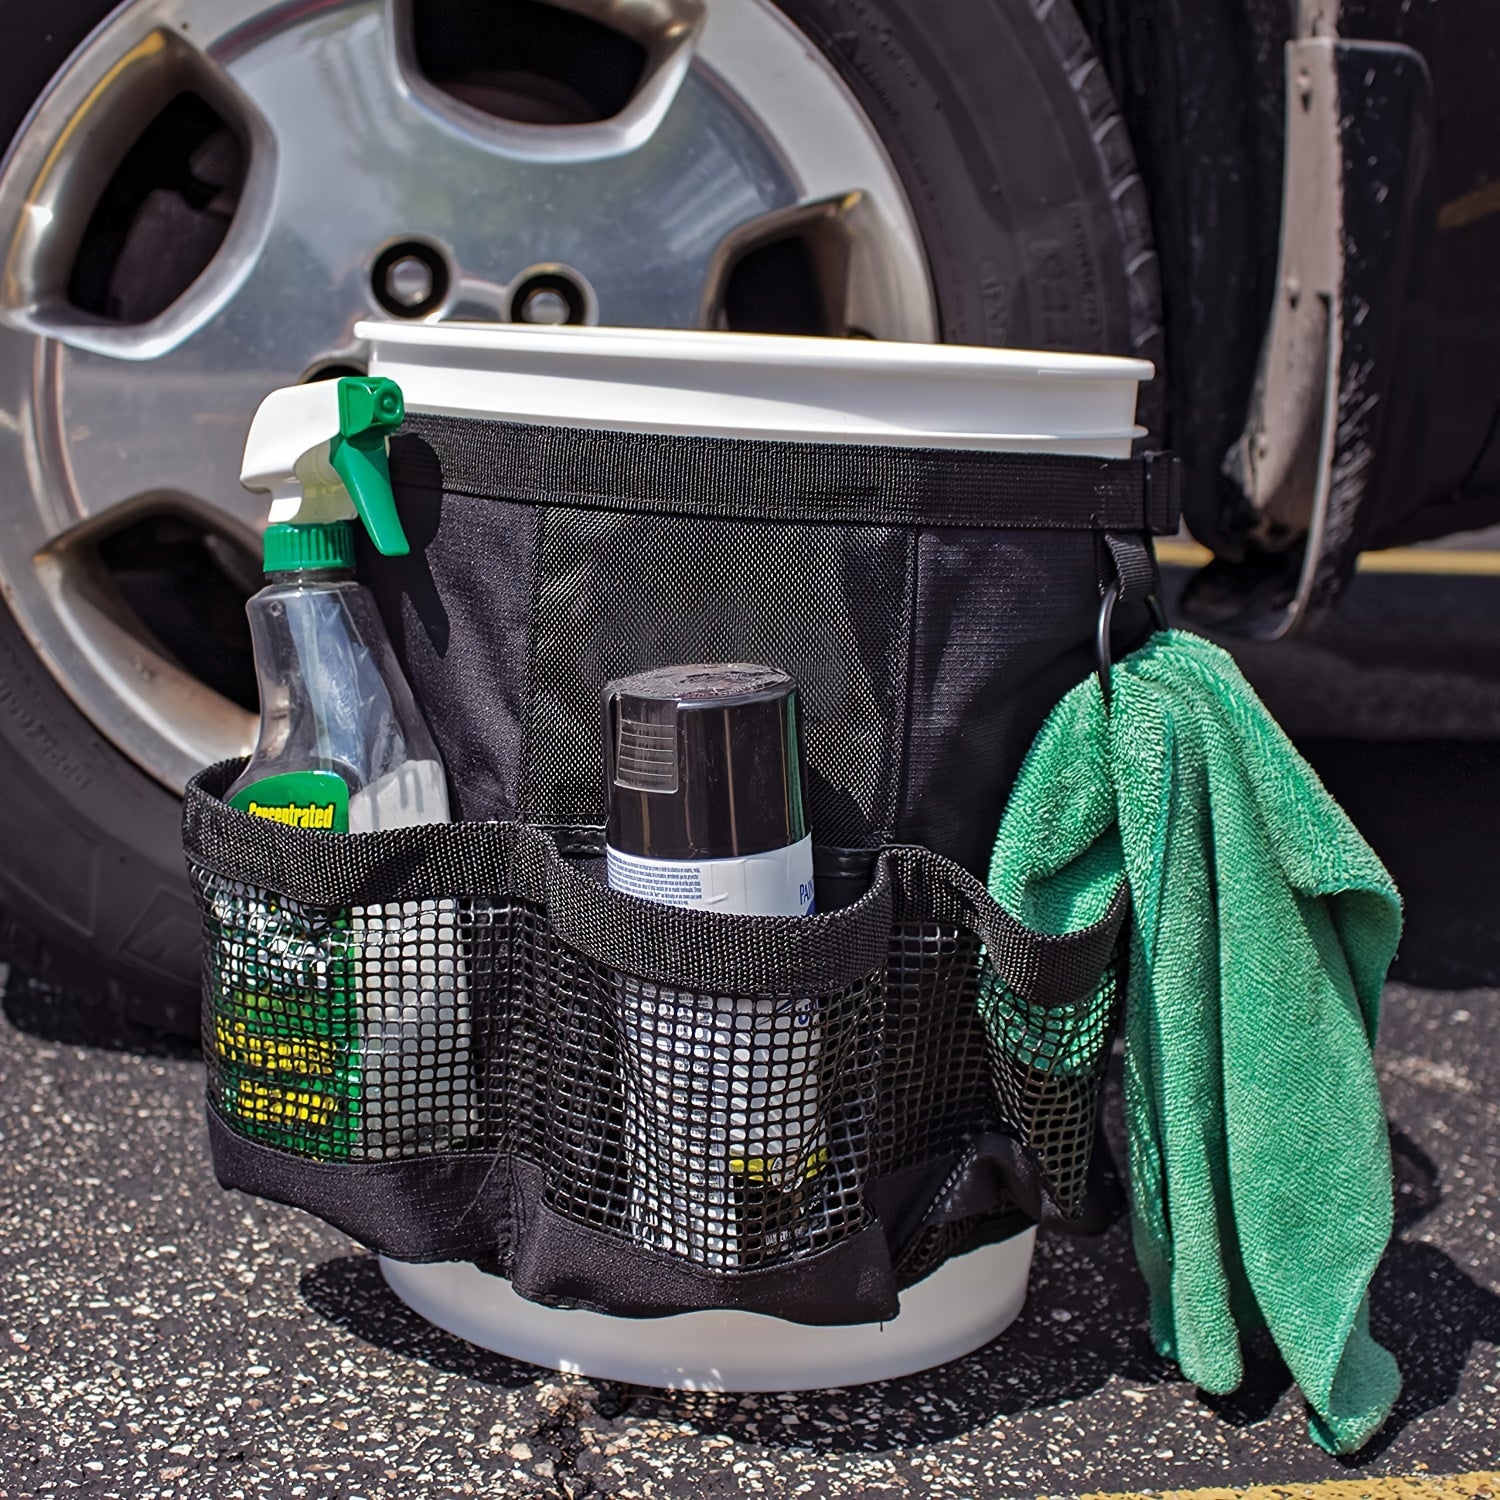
735,122
176,726
177,435
834,257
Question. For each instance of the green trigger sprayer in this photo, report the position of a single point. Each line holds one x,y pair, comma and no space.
320,450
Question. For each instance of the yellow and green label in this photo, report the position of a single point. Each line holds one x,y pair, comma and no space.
298,799
286,1026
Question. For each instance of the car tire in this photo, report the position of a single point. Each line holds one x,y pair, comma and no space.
1002,127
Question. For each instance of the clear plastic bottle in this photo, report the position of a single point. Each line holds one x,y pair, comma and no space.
334,700
344,747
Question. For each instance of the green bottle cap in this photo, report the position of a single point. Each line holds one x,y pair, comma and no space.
295,549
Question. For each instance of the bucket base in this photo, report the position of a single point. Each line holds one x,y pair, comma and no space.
966,1302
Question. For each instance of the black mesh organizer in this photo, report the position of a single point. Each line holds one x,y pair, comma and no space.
456,1043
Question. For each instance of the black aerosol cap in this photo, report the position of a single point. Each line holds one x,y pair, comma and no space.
704,762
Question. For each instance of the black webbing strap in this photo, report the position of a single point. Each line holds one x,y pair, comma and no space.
666,944
1129,562
856,484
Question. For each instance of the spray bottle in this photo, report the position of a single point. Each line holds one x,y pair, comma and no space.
355,1049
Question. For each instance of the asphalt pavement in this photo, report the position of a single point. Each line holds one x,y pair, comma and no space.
159,1336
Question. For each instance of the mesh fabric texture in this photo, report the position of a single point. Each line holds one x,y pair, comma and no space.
503,1052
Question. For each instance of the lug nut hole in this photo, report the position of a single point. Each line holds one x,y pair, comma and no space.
549,297
410,279
332,369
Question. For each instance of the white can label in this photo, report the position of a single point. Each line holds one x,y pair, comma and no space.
777,883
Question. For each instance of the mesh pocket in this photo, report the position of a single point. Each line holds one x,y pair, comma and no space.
340,1034
742,1114
529,1059
1045,1065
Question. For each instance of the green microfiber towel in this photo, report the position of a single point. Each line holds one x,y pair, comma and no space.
1263,926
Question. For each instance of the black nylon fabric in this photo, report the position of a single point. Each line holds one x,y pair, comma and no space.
1133,566
932,604
667,944
452,1042
831,605
851,484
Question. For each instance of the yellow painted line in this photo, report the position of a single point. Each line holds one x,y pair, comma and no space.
1176,554
1470,207
1452,561
1481,1486
1431,560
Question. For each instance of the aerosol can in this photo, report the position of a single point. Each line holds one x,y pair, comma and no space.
725,1134
352,1051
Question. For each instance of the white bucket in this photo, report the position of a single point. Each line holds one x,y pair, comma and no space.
747,385
966,1302
760,386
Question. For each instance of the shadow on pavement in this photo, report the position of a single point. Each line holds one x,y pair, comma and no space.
56,1014
1423,1307
351,1293
1085,1324
1429,810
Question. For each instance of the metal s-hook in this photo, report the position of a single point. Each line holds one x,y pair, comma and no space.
1102,635
1101,642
